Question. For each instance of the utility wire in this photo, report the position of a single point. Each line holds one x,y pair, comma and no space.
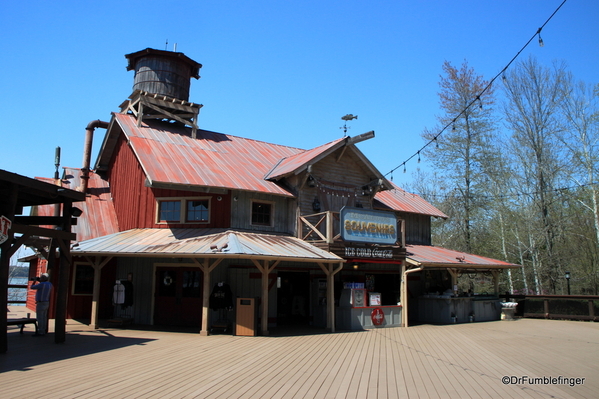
555,190
477,98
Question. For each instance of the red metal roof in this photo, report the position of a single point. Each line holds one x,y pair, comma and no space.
99,217
169,155
299,162
431,256
400,200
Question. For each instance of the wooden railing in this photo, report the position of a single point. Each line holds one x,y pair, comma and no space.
16,286
320,227
569,307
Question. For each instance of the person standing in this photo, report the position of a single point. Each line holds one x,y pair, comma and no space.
42,303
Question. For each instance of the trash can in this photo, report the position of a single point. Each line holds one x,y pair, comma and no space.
246,320
508,309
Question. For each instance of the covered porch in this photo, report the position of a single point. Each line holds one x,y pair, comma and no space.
206,250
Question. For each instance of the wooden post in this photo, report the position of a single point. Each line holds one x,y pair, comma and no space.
97,264
330,272
329,227
62,291
265,269
496,281
207,269
7,209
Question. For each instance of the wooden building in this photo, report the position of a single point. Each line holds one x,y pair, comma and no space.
184,226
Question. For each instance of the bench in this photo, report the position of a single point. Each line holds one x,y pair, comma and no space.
21,322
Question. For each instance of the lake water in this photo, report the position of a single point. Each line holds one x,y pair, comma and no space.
17,294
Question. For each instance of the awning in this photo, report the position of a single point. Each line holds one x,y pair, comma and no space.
203,243
432,257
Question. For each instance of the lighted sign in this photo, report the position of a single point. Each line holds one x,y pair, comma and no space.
363,225
5,224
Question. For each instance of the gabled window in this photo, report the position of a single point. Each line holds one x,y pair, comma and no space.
262,213
183,210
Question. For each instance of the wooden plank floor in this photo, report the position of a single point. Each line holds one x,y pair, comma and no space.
426,361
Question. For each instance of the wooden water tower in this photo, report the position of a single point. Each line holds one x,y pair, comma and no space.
161,87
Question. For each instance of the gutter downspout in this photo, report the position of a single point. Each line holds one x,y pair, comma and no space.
87,150
404,287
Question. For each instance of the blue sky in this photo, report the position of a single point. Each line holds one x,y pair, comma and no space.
278,71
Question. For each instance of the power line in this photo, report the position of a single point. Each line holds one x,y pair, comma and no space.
518,195
478,97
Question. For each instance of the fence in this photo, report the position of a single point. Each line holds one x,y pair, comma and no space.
568,307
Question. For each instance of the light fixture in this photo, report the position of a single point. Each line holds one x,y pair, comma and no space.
567,275
356,266
311,181
541,44
316,205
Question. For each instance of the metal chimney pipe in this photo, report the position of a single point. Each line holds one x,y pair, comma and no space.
87,151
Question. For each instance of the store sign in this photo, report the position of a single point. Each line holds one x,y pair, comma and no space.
363,225
361,252
5,225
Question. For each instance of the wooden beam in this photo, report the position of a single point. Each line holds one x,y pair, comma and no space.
42,232
42,220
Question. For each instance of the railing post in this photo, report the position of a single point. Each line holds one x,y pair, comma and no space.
546,307
592,309
329,227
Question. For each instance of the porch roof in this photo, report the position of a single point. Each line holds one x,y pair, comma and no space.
204,243
437,257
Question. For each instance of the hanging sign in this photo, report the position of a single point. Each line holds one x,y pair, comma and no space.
5,225
364,225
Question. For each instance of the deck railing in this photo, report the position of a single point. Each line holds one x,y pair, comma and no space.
322,227
12,294
569,307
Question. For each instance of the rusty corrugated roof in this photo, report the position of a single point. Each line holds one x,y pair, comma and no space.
430,256
169,155
211,243
98,218
400,200
300,161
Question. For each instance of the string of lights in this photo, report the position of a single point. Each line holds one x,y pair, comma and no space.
477,98
514,195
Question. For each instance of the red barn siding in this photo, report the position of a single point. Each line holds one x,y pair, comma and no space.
135,204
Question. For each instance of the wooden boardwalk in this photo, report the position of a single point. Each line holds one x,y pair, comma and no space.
426,361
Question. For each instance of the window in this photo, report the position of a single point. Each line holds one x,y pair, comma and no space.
197,211
169,211
183,210
262,213
83,283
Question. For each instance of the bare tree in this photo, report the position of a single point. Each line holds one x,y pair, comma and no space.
534,94
462,153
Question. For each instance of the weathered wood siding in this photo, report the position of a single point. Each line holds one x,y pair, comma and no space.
136,205
418,228
241,211
342,176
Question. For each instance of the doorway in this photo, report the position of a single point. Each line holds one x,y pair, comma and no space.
178,296
293,299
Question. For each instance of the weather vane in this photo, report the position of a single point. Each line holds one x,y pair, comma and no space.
346,118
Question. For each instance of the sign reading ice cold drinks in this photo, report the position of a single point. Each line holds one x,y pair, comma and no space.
363,225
